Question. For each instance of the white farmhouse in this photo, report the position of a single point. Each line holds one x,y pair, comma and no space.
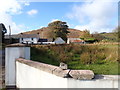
29,38
59,40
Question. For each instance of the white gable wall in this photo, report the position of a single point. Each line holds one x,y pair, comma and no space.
29,40
59,41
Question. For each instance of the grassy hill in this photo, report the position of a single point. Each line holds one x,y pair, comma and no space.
110,36
74,33
106,37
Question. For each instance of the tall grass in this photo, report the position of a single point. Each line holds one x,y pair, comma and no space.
76,55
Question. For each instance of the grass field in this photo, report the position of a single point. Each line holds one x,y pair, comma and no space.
102,59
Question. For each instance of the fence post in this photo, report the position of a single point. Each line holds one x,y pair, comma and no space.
14,51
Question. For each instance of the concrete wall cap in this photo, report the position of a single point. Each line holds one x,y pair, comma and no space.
44,67
75,74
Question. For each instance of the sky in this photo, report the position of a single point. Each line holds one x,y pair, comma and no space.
93,15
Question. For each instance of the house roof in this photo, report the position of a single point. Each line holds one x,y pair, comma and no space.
75,40
29,36
23,36
78,40
59,40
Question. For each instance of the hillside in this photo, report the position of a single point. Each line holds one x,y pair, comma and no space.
110,36
74,33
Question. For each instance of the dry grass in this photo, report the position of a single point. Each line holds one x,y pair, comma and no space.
101,58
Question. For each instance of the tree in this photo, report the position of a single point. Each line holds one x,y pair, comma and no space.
86,34
3,30
58,29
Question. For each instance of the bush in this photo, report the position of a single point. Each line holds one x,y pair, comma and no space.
93,57
87,54
85,58
76,49
64,58
93,54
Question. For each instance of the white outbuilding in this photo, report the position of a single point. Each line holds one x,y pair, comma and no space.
59,40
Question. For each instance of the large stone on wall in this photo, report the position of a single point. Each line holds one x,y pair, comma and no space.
63,66
82,74
60,72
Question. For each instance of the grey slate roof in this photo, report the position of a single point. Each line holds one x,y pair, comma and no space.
23,36
29,36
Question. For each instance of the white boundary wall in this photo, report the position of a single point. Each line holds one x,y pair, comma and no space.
31,77
13,52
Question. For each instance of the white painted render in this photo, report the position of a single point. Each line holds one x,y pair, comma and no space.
97,83
30,77
47,43
29,40
59,40
10,68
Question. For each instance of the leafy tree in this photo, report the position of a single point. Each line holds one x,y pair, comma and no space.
85,35
58,29
3,30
